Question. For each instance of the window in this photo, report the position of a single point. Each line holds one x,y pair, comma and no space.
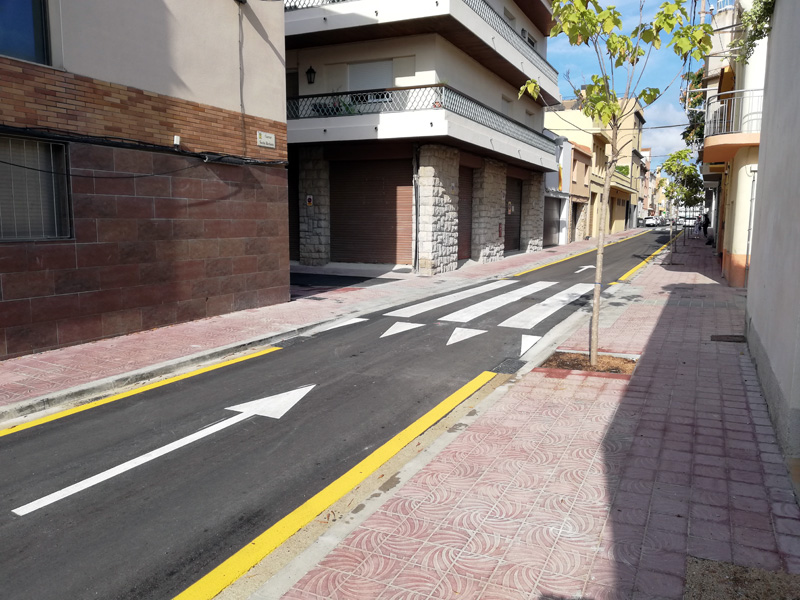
23,30
33,190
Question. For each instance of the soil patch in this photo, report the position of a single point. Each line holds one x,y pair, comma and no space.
580,362
712,580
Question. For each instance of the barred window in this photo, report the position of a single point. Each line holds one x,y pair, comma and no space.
34,203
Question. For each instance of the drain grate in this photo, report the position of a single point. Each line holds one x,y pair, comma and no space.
736,339
509,366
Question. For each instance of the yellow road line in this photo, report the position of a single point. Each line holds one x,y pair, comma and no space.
648,259
555,262
139,390
237,565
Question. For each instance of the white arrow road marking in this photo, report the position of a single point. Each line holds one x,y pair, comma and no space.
273,406
527,343
344,323
411,311
400,328
481,308
460,334
539,312
581,269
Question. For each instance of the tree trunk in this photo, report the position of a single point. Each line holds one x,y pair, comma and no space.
594,333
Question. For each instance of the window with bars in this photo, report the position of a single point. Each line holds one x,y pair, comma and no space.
34,200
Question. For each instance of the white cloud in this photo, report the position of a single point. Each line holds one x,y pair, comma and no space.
664,141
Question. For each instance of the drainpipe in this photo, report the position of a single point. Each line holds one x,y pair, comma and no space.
754,172
415,192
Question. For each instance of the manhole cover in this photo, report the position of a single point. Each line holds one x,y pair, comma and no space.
737,339
509,366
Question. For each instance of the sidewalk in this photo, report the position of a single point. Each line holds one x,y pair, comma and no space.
591,486
81,373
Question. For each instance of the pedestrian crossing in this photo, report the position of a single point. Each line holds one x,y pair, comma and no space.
526,319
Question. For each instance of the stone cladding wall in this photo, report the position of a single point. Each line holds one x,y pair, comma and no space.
315,220
532,226
438,209
488,211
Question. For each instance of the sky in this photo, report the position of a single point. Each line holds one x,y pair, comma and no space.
580,63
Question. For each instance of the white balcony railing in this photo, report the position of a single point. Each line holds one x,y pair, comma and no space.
483,10
734,112
395,100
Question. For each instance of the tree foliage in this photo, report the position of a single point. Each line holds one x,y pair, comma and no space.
694,133
758,23
685,185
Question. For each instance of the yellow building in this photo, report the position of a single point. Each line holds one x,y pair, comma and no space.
622,202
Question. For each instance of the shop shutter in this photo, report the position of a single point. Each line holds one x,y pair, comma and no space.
464,213
371,211
513,210
552,221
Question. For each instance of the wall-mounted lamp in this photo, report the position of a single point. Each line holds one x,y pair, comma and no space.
311,75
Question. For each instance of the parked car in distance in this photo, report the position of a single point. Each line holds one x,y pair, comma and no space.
650,221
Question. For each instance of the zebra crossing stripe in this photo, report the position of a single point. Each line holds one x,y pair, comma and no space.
537,313
481,308
415,309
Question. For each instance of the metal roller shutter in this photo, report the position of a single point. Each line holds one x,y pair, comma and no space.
552,221
372,211
464,213
513,213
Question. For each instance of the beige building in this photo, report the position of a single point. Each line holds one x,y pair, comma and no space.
732,137
408,145
162,127
623,198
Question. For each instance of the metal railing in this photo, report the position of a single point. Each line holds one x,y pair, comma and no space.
499,24
298,4
483,10
395,100
724,5
734,112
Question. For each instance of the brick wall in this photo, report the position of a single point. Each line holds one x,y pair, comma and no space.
41,96
159,239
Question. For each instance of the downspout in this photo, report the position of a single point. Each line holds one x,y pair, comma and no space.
415,192
750,224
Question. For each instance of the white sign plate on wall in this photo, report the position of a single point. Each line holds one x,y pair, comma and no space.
265,140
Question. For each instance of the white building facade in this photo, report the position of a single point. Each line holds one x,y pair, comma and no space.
408,144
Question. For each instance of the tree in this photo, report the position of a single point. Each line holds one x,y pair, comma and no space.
621,59
685,187
694,134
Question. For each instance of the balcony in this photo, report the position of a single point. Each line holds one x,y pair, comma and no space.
733,121
471,25
417,112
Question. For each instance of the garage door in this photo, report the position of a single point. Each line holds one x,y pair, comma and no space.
464,213
371,211
552,221
513,211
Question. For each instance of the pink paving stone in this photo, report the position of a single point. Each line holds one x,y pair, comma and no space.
663,585
459,586
753,557
710,530
417,579
709,549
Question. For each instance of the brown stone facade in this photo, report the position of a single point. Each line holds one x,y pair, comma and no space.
158,239
43,97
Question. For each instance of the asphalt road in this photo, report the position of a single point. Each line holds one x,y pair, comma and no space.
155,529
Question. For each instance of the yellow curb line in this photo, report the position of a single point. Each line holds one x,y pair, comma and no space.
245,559
139,390
646,260
555,262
